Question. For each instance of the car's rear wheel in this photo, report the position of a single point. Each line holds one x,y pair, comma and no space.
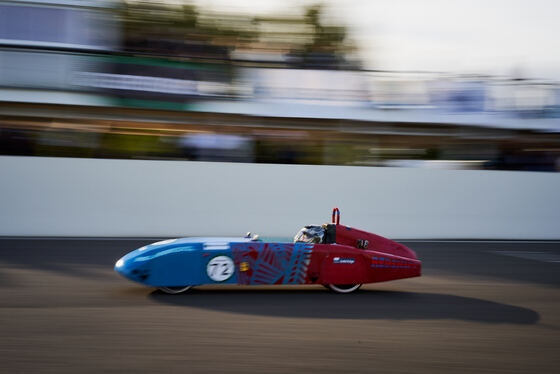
175,290
344,288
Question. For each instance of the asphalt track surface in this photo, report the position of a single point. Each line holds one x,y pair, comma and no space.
491,307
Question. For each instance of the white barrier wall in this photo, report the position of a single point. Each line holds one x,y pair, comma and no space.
91,197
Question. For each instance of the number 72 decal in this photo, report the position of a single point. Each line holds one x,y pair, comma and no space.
220,268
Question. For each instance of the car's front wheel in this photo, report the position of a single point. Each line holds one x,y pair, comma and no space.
344,288
175,290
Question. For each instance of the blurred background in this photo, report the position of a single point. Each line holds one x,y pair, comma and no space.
368,83
108,107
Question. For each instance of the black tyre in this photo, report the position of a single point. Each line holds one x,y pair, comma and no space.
343,288
175,290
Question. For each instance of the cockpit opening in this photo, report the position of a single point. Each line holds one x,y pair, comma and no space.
310,234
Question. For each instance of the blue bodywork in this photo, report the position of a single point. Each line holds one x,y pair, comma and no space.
177,262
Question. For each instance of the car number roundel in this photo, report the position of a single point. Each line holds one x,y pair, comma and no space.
220,268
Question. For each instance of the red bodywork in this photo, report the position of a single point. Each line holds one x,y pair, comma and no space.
348,262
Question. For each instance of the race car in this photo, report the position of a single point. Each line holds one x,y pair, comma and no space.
336,256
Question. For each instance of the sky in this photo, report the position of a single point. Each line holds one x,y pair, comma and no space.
498,37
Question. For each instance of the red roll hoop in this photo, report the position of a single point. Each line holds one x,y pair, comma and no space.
337,212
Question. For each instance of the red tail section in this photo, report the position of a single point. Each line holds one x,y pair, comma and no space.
361,239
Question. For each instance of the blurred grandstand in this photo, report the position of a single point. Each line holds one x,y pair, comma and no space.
139,79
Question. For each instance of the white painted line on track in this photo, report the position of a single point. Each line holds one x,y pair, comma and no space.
530,255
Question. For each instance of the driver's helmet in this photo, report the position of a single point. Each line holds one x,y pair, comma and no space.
310,234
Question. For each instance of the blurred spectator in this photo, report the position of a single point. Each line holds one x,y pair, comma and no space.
217,147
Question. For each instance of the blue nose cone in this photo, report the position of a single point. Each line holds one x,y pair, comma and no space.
128,268
123,267
173,262
119,265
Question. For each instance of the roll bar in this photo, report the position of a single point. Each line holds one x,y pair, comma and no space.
337,212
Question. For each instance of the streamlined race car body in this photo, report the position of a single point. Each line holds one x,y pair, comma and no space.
339,257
